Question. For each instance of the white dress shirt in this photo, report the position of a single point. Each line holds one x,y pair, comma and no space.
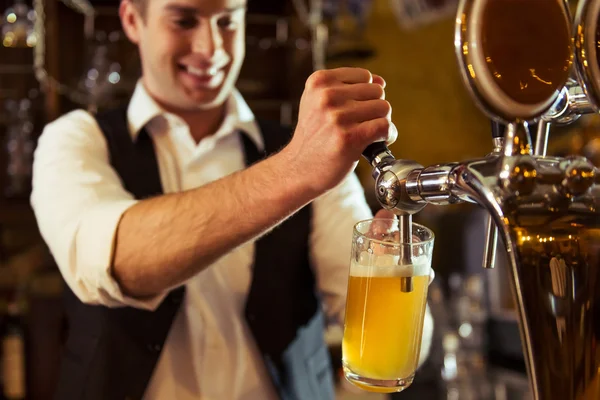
78,200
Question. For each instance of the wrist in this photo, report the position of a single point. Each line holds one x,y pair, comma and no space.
295,179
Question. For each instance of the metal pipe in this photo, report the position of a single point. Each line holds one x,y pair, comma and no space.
541,140
405,233
491,243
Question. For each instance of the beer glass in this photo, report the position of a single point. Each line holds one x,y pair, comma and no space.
385,308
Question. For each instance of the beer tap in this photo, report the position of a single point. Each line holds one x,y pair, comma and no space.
390,174
570,105
519,185
573,101
491,231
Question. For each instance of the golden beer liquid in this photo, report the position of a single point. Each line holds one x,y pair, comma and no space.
562,300
527,47
384,326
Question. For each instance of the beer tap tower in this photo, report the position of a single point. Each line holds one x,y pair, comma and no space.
516,58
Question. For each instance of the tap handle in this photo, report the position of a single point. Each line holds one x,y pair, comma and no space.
376,152
497,129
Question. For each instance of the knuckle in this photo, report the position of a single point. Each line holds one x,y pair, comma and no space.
379,92
317,79
384,107
384,124
392,133
380,128
327,98
337,118
365,74
376,130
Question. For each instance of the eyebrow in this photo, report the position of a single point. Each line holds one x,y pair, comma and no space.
183,9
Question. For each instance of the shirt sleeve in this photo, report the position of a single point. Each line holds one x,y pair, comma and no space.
78,201
334,216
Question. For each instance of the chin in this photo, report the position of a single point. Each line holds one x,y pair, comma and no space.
202,106
191,105
208,100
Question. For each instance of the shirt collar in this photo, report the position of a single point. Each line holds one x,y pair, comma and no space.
143,109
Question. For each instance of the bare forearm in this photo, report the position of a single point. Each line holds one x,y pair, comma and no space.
164,241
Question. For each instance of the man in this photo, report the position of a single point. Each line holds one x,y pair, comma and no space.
193,238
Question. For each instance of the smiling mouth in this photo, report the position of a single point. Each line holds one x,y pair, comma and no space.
202,73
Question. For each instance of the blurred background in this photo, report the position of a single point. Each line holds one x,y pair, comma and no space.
58,55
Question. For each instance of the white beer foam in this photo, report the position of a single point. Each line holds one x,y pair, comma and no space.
386,265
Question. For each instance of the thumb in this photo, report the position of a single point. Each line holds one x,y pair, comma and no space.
383,213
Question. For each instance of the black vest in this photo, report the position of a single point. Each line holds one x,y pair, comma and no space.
111,353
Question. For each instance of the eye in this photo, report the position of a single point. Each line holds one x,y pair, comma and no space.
227,22
186,23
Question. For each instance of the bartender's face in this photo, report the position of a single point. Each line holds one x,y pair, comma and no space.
191,50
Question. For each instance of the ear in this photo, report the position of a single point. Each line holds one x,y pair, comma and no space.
131,20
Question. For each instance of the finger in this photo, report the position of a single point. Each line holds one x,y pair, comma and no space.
336,77
383,213
361,92
353,75
377,130
415,238
366,110
379,80
383,225
392,135
431,276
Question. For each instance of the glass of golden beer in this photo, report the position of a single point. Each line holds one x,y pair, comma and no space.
385,308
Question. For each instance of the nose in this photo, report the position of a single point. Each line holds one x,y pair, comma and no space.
208,40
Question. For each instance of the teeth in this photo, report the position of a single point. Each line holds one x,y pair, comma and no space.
201,72
195,71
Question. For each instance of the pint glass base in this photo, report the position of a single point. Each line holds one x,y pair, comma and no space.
378,385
